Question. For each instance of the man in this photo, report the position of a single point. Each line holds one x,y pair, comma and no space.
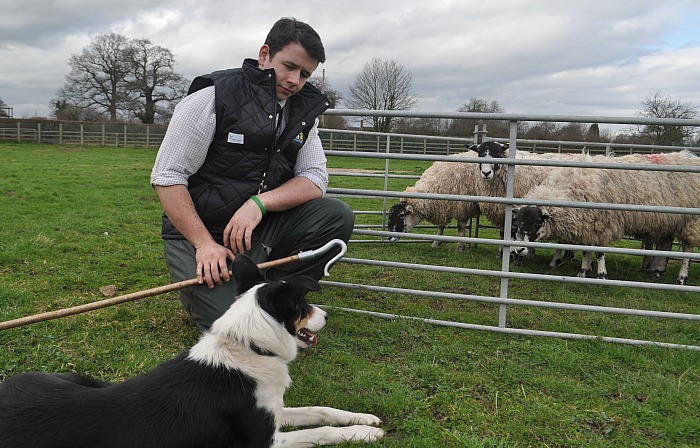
242,169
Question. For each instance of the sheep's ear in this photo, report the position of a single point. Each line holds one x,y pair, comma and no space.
545,215
506,145
516,209
472,147
409,208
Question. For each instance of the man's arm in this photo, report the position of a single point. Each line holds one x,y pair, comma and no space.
211,257
296,191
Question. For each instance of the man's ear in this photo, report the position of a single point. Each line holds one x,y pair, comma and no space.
263,55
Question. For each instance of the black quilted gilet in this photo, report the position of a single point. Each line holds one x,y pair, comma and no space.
245,157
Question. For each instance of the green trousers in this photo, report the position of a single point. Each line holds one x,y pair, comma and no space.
307,227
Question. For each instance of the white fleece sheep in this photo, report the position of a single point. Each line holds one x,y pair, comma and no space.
494,180
600,227
453,178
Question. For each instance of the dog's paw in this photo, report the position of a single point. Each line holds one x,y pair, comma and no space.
365,419
362,433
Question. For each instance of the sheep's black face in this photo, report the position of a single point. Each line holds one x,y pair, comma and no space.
397,219
490,150
529,226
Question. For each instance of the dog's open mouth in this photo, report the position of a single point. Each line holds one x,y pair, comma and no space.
307,337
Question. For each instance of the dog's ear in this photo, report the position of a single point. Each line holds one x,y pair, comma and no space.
284,300
245,273
304,283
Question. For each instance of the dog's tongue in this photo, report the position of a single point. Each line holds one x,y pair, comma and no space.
308,337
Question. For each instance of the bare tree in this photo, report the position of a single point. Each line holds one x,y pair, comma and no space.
657,105
329,121
422,126
465,127
121,77
382,85
573,132
98,75
544,130
3,109
62,109
593,134
152,80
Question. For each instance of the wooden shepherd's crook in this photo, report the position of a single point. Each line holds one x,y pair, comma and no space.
304,255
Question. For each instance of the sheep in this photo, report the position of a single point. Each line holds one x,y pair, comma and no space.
526,176
600,227
455,178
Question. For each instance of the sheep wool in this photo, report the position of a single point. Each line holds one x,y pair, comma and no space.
600,227
453,178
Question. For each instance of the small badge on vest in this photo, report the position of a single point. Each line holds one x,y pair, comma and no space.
300,138
235,138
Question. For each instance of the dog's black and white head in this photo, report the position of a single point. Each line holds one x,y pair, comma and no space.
272,318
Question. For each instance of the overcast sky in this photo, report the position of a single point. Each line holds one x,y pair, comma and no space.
564,57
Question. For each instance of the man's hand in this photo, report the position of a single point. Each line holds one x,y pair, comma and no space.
239,230
212,264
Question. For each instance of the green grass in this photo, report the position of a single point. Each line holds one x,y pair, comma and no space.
75,219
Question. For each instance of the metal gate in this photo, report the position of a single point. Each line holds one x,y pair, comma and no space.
392,150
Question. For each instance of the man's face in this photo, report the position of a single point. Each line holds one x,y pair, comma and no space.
293,67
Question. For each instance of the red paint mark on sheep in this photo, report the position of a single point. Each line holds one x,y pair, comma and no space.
656,159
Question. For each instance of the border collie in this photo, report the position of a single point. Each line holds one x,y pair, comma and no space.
226,391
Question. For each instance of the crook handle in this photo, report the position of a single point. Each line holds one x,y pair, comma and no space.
311,254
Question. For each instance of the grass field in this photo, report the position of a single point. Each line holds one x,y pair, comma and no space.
75,219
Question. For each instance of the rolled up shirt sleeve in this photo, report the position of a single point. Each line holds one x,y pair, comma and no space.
311,161
187,139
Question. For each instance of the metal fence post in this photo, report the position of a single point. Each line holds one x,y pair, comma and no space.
386,182
505,255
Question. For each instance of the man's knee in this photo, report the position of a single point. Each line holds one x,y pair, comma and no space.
206,305
338,216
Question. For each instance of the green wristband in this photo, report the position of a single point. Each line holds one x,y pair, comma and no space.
260,204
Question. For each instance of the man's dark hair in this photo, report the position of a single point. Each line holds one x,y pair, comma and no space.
288,30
